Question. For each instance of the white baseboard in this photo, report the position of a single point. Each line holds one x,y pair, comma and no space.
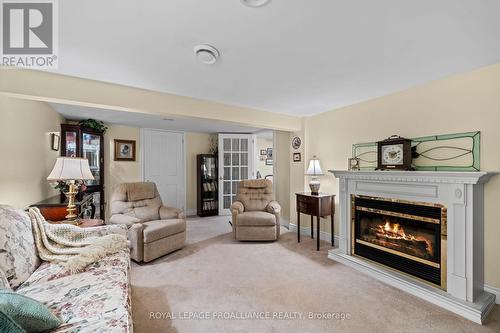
495,291
285,223
190,212
323,235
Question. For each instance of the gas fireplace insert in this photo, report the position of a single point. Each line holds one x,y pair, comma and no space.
404,235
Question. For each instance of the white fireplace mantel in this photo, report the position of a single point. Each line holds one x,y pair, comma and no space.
462,194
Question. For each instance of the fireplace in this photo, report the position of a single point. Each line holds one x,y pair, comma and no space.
404,235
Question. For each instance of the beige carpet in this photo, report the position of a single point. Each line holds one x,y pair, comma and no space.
234,280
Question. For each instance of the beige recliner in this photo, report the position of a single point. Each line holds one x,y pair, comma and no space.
153,229
256,215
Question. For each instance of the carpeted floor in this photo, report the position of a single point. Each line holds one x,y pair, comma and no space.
215,284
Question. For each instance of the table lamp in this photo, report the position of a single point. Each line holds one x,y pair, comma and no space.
314,170
72,171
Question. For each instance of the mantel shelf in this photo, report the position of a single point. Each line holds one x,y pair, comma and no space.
449,177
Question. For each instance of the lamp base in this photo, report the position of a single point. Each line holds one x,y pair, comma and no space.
314,186
71,209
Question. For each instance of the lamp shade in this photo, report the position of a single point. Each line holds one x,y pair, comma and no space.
71,168
314,168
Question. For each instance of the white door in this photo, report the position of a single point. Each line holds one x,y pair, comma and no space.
164,164
236,162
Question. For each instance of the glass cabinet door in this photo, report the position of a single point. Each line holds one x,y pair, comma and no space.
71,143
91,150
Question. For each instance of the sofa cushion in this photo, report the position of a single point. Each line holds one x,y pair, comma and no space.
28,313
18,254
256,218
4,283
155,230
95,300
7,324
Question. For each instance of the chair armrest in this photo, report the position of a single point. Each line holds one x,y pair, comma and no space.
123,219
273,207
171,213
237,207
136,239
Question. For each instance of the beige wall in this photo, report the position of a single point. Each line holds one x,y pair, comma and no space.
263,144
196,143
51,87
297,170
282,176
461,103
25,149
116,172
120,172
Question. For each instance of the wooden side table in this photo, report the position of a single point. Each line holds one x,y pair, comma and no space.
84,223
54,208
320,205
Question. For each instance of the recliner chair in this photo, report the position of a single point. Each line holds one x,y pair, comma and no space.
153,229
255,213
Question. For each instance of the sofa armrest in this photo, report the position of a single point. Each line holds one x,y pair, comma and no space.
171,213
237,208
273,207
123,219
107,230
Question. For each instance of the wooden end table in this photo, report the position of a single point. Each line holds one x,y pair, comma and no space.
320,205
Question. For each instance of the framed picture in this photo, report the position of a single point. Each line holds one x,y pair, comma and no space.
296,157
124,150
263,152
55,139
269,161
270,153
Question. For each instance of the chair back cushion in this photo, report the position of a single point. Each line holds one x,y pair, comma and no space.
18,254
139,200
255,194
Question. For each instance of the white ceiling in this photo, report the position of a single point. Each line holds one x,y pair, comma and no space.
292,56
74,112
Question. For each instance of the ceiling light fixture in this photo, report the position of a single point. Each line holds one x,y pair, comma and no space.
207,54
255,3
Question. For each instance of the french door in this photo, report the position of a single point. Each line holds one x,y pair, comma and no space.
236,162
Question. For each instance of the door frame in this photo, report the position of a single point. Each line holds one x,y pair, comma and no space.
184,158
220,165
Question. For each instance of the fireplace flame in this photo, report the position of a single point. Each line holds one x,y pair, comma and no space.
396,231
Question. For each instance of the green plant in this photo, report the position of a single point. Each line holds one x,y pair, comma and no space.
93,124
61,186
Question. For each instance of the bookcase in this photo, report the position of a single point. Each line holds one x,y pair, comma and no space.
207,185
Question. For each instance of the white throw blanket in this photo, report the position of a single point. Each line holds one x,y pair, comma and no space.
71,246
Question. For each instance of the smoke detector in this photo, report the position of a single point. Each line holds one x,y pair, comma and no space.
206,54
255,3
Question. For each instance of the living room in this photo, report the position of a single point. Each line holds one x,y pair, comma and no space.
249,173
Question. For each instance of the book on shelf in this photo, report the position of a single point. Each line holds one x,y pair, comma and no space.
210,205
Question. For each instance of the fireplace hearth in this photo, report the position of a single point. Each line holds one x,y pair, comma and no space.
407,236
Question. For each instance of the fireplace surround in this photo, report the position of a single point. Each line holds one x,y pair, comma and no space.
393,221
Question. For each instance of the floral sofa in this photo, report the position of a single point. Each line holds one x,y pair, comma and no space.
94,300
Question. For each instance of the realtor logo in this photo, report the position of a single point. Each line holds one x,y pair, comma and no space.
29,33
